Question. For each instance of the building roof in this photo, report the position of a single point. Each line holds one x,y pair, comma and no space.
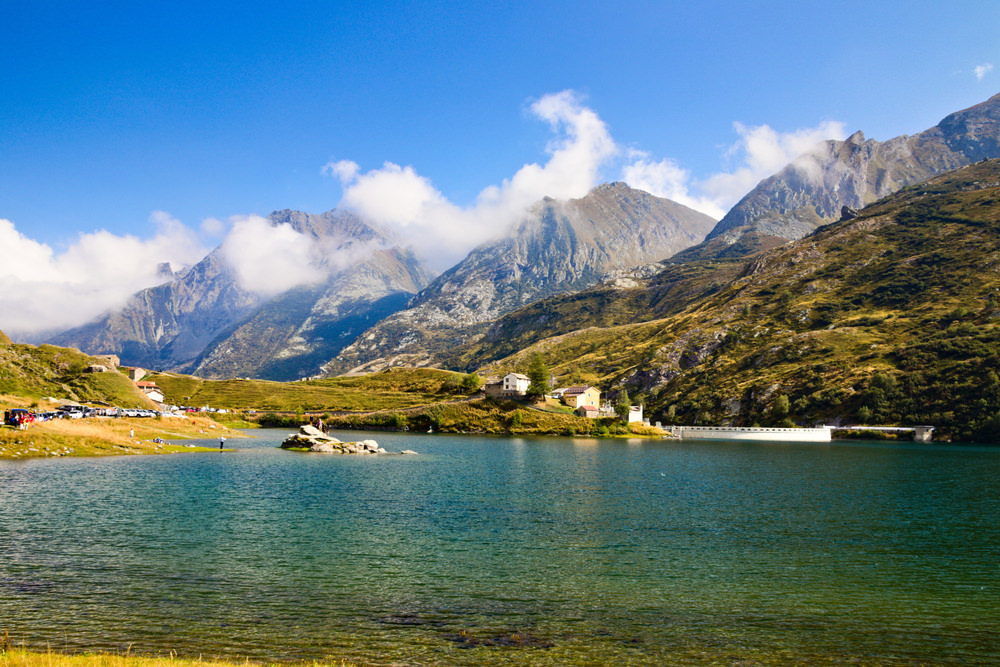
575,391
146,385
588,408
518,376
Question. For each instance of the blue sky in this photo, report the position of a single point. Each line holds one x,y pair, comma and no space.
131,122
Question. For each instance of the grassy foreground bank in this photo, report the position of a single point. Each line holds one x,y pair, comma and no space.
102,436
16,657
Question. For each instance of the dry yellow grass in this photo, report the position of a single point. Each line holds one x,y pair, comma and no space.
97,436
16,657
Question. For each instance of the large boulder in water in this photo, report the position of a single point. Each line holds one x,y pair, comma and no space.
314,440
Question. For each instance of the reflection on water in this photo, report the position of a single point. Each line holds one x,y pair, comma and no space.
513,551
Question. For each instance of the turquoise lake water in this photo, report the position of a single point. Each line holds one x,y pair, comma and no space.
551,551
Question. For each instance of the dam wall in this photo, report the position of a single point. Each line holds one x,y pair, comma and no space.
750,433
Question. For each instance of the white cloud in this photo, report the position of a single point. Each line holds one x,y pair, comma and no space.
345,170
442,232
665,178
760,152
982,70
270,259
44,291
391,195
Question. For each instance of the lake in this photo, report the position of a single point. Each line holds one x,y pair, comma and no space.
542,551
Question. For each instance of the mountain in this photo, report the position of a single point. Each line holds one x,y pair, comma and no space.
558,247
628,298
892,317
167,326
814,189
292,335
205,322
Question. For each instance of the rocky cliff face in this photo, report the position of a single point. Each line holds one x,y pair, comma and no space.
292,335
559,247
205,322
167,326
855,172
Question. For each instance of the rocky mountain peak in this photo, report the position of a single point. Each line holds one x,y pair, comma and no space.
559,246
205,321
812,190
974,132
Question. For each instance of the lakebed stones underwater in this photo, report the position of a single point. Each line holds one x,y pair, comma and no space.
310,438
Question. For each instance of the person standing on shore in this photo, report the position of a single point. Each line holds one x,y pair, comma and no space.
222,441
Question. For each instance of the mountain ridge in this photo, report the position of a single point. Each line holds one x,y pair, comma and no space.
193,323
557,247
892,317
814,188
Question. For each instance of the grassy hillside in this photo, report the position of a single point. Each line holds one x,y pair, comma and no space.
393,388
491,416
35,372
888,318
627,301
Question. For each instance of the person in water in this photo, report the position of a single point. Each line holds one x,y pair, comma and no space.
222,441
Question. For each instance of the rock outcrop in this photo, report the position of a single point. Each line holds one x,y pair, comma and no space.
311,438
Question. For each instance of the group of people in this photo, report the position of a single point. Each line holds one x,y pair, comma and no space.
17,418
317,423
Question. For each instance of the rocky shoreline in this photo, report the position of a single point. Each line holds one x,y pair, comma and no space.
310,438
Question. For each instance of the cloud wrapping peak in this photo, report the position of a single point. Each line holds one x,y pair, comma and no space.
269,259
760,152
442,232
43,291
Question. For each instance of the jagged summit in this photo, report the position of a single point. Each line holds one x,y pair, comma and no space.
812,190
558,247
207,322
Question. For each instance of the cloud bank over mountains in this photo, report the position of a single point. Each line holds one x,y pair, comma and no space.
581,155
42,290
442,232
